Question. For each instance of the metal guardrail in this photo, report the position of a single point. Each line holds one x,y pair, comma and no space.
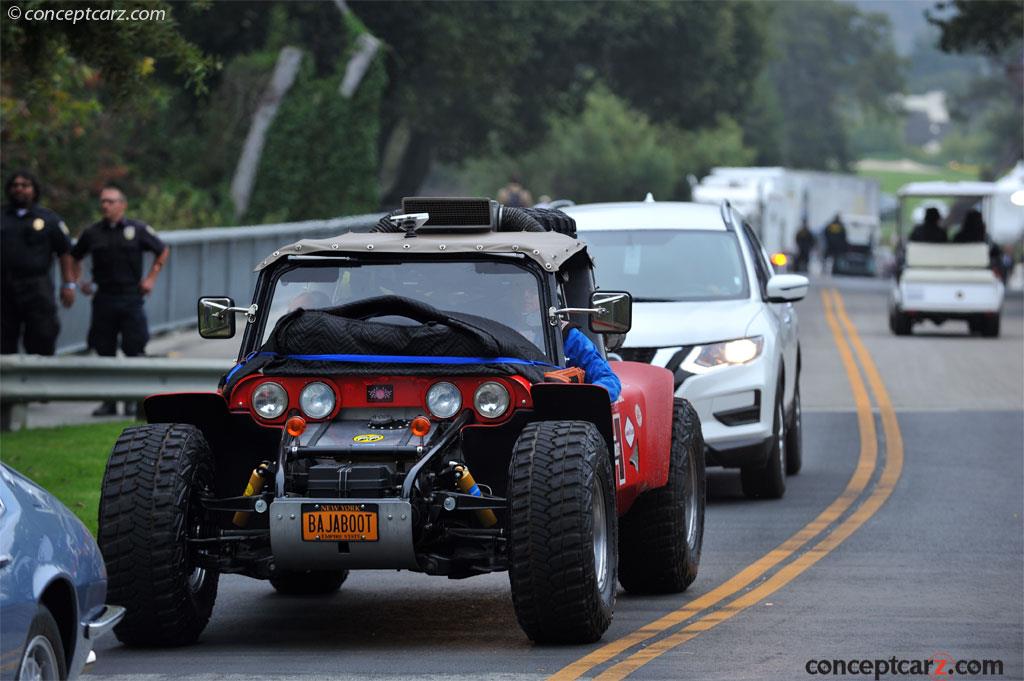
210,261
29,378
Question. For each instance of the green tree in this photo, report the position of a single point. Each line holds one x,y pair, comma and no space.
983,27
829,63
68,88
469,78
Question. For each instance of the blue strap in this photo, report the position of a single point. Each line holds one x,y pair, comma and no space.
396,359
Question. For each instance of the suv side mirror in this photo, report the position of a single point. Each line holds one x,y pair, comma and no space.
787,288
617,317
216,319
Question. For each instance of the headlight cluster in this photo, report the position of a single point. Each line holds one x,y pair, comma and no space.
316,400
727,353
491,400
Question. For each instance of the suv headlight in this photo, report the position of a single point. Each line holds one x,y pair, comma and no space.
317,400
269,400
727,353
491,400
444,400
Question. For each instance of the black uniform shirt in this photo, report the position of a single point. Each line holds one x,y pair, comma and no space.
117,252
29,241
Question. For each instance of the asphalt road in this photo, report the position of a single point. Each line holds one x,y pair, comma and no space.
901,537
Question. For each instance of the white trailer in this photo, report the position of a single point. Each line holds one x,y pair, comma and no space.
778,200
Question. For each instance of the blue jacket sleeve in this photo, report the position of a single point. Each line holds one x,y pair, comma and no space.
581,352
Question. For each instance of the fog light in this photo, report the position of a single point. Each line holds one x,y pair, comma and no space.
295,426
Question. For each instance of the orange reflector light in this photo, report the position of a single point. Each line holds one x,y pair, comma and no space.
779,259
420,426
295,426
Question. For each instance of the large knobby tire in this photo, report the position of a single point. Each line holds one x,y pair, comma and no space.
795,436
148,510
43,656
768,481
661,536
308,583
563,532
553,220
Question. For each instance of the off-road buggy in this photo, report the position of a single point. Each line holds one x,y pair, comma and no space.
401,401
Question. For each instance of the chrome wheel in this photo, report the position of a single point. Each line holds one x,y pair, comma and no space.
690,504
600,538
781,440
39,663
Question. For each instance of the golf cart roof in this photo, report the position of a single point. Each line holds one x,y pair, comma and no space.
549,249
950,189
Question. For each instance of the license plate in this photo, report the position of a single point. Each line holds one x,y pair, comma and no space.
339,522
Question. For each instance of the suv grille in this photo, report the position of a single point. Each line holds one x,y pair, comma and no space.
644,355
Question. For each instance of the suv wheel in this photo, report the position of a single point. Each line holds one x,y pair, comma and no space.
660,538
149,509
769,480
563,532
899,322
794,436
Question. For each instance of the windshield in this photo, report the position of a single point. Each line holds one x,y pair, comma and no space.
501,291
669,265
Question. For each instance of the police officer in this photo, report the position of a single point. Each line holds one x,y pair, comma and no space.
116,244
30,236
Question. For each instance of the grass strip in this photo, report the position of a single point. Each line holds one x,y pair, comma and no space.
68,461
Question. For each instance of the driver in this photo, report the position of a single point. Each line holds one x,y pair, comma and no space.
581,352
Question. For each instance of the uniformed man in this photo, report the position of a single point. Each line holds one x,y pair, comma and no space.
116,244
30,236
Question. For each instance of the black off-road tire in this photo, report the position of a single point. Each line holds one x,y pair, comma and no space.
148,509
308,583
795,436
44,626
768,481
561,505
553,220
659,548
899,323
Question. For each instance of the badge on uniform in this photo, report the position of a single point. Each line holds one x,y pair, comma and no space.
129,232
38,224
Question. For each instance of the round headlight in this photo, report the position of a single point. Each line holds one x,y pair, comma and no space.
317,400
444,400
269,400
491,400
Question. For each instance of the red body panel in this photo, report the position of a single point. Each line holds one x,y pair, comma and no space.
642,424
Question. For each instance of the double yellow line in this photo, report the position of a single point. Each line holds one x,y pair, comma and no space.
665,627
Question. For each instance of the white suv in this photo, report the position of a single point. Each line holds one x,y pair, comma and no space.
709,307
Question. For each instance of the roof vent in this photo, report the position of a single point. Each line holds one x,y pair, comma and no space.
453,214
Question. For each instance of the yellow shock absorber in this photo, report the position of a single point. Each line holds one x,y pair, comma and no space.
255,486
467,485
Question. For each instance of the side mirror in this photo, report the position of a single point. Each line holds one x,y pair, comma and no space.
787,288
617,315
216,318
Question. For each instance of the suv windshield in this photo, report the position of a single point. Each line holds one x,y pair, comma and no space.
502,291
669,265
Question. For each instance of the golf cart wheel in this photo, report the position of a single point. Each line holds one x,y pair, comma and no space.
149,509
563,532
308,583
989,327
899,322
768,481
661,536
